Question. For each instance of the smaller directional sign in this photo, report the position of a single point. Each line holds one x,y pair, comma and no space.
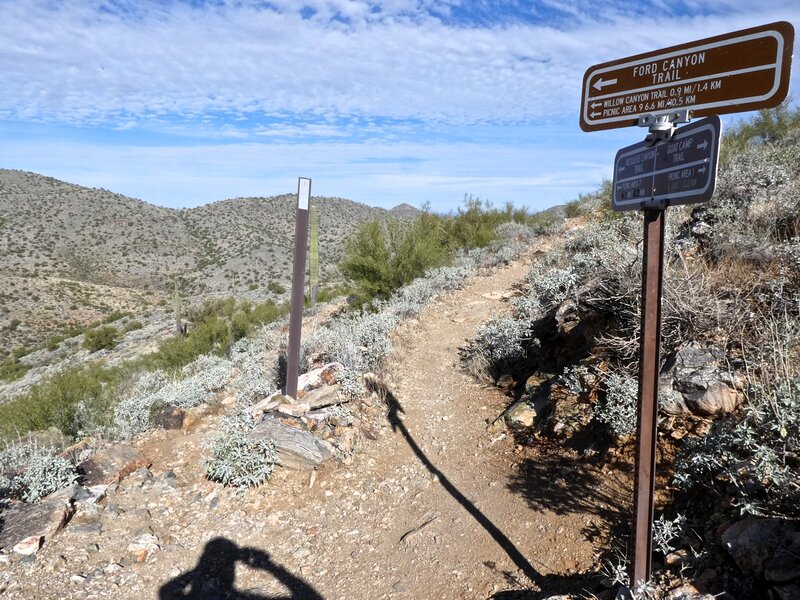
682,170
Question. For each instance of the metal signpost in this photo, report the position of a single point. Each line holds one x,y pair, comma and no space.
744,70
298,285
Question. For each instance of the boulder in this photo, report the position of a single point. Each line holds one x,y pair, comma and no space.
717,399
296,449
317,378
324,397
768,549
111,465
27,526
695,380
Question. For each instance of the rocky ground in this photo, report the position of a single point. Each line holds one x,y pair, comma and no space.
423,507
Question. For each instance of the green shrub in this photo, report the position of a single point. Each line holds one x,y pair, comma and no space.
219,325
131,326
11,369
276,288
381,258
102,338
54,402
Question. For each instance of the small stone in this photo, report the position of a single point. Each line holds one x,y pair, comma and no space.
77,578
143,546
28,546
114,567
505,381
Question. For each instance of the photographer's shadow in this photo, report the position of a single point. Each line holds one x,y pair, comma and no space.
214,577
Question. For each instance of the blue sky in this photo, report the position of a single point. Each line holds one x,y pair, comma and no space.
184,103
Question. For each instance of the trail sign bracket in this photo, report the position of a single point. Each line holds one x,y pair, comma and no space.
662,127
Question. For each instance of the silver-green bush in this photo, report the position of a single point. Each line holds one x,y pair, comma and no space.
236,460
29,472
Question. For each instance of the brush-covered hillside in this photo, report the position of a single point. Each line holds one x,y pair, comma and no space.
74,255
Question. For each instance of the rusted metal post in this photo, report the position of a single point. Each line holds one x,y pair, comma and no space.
647,414
298,285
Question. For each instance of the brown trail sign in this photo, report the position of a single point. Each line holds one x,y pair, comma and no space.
745,70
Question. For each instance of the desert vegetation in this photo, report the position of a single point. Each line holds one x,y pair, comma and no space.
730,324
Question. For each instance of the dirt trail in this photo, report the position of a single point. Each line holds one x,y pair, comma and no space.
434,507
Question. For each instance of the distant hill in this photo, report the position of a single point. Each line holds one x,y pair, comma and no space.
73,254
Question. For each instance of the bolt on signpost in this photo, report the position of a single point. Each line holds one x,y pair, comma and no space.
298,285
734,72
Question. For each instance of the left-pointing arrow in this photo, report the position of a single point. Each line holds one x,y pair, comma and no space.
600,83
595,114
596,104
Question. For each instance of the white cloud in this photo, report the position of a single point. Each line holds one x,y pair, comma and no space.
73,63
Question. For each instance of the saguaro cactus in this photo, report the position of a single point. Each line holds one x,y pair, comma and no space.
176,304
313,256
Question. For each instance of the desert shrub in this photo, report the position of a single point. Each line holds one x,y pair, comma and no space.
133,325
11,369
29,472
257,379
474,225
753,456
497,345
618,409
102,338
218,325
380,258
196,383
234,459
54,402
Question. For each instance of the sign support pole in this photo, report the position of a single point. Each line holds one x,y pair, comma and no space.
647,417
298,285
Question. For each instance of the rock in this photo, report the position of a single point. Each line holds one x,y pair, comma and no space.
27,525
317,378
688,592
267,404
169,417
505,381
324,397
111,465
29,546
790,591
296,449
695,380
521,414
717,399
670,401
768,549
79,451
677,559
143,546
293,410
536,380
